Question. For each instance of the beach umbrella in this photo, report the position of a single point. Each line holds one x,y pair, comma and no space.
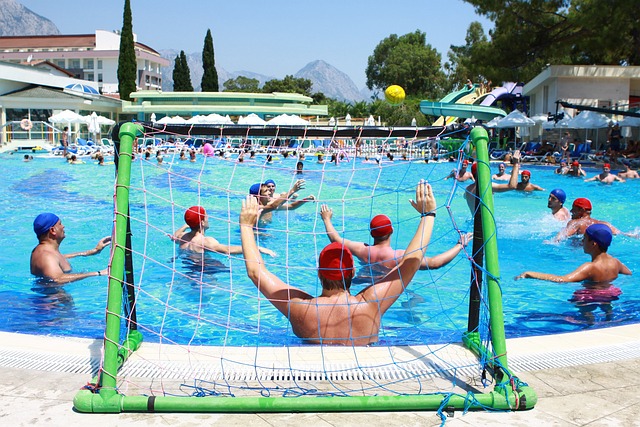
493,123
347,119
287,120
153,117
515,119
67,116
631,122
252,120
175,120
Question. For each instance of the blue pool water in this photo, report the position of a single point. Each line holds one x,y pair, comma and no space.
183,301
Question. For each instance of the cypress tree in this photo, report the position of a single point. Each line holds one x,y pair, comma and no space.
127,67
178,79
188,87
210,77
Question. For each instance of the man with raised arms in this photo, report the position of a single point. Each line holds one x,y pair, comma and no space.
336,316
470,192
46,259
195,241
525,183
381,256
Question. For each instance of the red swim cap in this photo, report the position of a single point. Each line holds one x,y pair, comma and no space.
526,173
575,163
380,226
606,165
465,162
335,262
582,203
194,215
474,169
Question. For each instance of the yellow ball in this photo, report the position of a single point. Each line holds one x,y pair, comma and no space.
394,95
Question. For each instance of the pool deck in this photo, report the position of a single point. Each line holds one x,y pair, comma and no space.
589,378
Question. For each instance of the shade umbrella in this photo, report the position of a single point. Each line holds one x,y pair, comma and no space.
287,120
153,117
631,122
252,119
516,118
175,120
67,116
493,123
347,119
589,120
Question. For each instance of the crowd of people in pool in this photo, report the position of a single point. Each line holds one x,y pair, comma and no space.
336,316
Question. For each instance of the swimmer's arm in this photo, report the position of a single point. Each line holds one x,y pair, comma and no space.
49,268
274,289
617,178
581,274
569,230
595,178
358,249
446,257
537,188
623,269
177,236
296,204
102,243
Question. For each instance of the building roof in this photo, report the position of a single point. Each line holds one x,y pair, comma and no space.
87,41
582,71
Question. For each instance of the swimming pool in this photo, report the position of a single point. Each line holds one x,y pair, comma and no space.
217,304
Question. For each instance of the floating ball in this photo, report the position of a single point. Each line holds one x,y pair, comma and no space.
394,95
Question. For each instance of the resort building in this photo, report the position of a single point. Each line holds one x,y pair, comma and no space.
600,86
92,57
265,105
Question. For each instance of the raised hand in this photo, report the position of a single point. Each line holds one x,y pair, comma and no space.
250,211
325,212
425,200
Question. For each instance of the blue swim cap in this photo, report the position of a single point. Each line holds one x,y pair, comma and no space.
254,190
560,194
601,234
502,164
44,222
269,181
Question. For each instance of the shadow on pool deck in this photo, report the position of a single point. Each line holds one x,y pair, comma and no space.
595,394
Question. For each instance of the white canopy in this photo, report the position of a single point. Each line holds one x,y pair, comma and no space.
589,120
493,123
515,119
98,120
67,116
287,120
630,122
252,119
175,120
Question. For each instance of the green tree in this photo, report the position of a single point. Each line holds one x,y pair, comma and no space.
289,84
181,74
407,61
210,77
242,84
127,67
459,68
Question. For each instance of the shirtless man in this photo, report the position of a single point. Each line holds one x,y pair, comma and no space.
605,177
264,195
284,200
336,316
501,175
576,170
463,174
195,241
581,220
470,191
46,259
381,254
525,184
556,201
602,268
628,173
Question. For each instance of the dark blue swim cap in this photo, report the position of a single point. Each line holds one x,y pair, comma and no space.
269,181
44,222
560,194
601,234
254,190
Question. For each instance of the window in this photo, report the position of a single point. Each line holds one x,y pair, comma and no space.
89,76
88,63
99,64
74,63
59,63
99,77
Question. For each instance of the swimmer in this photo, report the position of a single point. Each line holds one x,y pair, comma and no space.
381,253
605,177
576,170
501,175
628,173
525,184
581,220
556,201
470,191
603,268
462,174
336,317
195,241
46,259
562,169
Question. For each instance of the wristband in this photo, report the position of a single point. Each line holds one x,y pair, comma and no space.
433,214
99,273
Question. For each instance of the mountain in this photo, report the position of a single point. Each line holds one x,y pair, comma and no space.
330,81
325,78
17,20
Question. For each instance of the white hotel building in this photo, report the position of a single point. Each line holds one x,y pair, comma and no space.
91,57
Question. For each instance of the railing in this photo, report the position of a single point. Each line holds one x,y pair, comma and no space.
40,131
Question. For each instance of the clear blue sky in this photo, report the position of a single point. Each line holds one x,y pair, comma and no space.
275,37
